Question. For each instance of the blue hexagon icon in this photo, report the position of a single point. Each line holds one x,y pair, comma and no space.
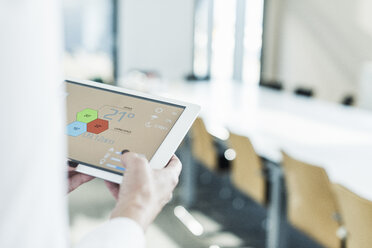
76,128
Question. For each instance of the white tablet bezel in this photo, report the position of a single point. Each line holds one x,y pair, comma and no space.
167,147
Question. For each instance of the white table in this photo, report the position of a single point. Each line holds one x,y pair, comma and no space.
329,135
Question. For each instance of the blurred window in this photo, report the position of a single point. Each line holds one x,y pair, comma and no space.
253,40
223,39
201,37
216,24
89,39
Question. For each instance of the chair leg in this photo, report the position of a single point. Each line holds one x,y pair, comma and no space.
188,175
274,208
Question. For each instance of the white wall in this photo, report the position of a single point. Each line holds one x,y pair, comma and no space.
156,35
323,45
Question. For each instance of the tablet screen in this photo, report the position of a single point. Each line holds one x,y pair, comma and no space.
101,123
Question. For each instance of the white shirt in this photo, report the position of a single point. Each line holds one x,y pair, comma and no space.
118,232
33,209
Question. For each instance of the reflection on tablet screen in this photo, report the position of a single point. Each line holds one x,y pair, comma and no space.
101,123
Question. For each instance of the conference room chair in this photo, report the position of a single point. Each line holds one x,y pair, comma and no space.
300,91
311,204
348,100
271,84
357,217
202,145
247,169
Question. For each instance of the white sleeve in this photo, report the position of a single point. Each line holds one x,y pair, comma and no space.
116,233
33,209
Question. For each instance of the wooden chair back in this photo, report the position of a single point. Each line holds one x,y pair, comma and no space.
202,145
311,203
357,217
247,169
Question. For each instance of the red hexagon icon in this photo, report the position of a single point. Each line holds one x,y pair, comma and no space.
97,126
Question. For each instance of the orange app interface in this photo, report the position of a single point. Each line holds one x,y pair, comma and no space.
101,123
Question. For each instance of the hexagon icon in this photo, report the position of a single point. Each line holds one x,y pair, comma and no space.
76,128
87,115
97,126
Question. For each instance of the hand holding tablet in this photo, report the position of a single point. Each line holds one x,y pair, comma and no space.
144,191
103,120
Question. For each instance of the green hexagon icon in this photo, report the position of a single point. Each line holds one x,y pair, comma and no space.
87,115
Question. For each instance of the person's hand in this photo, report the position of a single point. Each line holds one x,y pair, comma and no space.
114,189
75,179
144,191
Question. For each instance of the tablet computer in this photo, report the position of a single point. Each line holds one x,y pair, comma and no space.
103,120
